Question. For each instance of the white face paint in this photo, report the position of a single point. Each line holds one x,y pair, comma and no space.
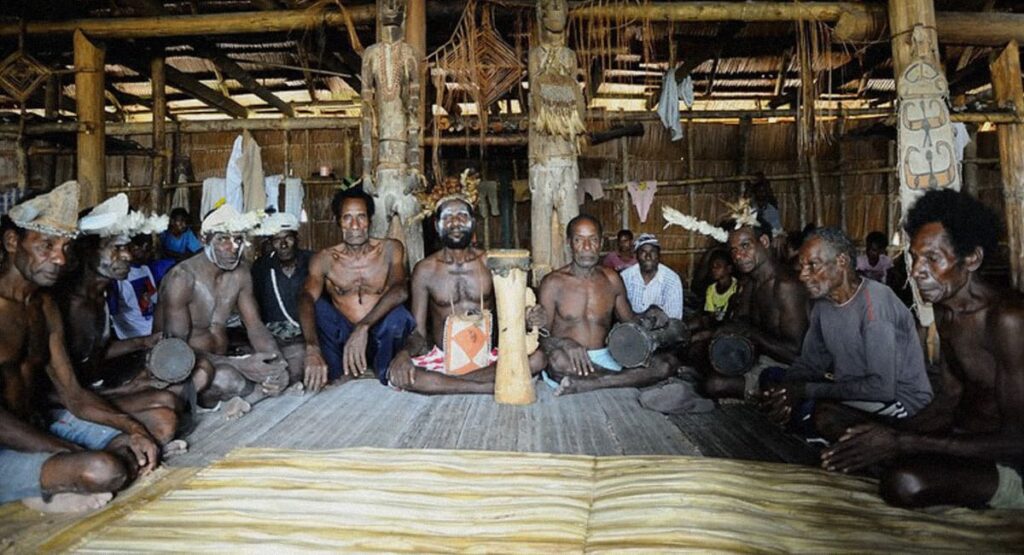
225,250
455,224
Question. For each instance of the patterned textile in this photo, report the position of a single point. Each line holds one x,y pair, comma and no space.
434,360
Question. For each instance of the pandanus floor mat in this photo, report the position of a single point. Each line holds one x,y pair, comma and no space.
363,499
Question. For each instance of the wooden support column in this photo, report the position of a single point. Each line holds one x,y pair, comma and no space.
743,151
691,198
903,16
624,151
1009,93
416,36
970,175
159,176
840,181
51,107
816,195
346,153
892,187
91,154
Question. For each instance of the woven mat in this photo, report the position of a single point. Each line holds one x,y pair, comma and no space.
440,501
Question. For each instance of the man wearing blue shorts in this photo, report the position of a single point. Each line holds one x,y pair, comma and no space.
53,460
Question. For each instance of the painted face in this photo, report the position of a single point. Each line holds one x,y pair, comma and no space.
114,258
819,269
938,271
355,222
553,14
177,226
625,244
748,252
720,269
391,11
225,249
585,241
39,257
648,256
285,245
455,224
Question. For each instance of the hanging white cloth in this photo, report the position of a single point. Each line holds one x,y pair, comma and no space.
214,194
180,198
233,179
272,186
961,138
668,105
294,194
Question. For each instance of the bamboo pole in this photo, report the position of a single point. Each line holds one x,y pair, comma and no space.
1006,84
691,241
840,180
91,154
159,176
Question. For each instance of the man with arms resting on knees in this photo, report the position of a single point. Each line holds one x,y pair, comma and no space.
103,257
770,310
198,297
53,460
966,447
580,301
861,360
360,317
452,281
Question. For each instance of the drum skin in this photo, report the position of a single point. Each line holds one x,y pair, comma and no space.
171,360
630,344
732,355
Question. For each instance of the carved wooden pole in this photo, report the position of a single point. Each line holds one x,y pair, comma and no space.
1006,84
92,163
416,36
159,176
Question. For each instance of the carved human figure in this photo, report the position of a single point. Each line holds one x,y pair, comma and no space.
391,129
556,122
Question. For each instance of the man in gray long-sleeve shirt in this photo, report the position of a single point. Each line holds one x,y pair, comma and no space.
861,349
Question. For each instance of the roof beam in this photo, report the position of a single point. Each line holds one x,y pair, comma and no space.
188,85
248,82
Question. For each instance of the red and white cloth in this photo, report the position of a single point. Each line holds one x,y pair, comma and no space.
434,360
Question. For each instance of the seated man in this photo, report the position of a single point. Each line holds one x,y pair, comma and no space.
651,283
70,459
580,301
116,369
351,306
133,298
178,242
447,284
770,308
967,447
196,299
874,264
861,359
277,281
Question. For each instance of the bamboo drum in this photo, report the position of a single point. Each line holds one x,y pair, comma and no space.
512,383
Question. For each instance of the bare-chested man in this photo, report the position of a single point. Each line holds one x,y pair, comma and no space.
360,317
199,295
452,281
581,301
771,309
103,257
53,459
966,447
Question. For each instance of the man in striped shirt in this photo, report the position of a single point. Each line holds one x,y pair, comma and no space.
651,283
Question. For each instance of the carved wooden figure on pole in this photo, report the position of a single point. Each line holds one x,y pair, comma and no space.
556,123
390,130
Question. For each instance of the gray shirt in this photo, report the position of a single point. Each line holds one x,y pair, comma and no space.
870,346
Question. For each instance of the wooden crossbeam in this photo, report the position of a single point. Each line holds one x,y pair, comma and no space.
248,82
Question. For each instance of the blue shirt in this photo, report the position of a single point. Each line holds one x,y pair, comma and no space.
188,243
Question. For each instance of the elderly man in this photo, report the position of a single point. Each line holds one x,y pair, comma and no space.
199,295
448,284
581,301
71,459
861,359
770,311
114,368
277,280
351,306
651,283
967,447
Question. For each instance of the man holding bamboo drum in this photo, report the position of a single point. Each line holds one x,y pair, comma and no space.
581,301
452,302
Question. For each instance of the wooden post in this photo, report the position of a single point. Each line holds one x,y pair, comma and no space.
970,177
1006,84
624,148
743,150
159,176
51,107
840,181
903,16
91,155
892,187
691,243
416,36
346,153
816,196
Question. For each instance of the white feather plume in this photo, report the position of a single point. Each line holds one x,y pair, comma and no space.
675,217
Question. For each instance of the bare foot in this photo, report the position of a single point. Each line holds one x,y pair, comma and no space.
174,448
69,502
565,387
236,408
295,389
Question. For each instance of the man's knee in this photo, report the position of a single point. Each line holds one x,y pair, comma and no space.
103,472
163,424
902,487
229,381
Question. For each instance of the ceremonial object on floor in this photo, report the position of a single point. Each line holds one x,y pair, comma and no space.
632,344
732,355
171,360
512,382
